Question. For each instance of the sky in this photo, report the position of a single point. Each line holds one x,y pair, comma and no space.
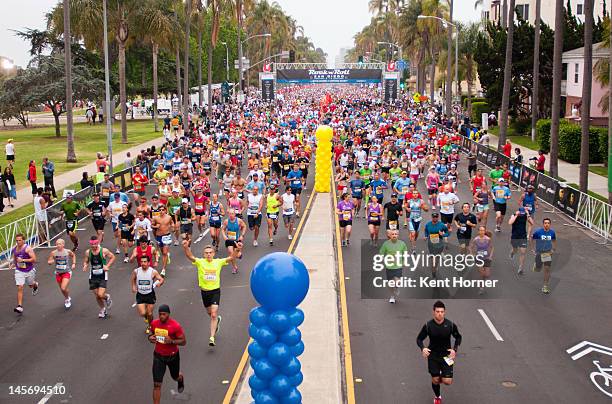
331,24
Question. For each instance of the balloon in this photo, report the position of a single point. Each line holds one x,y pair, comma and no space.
296,317
291,368
279,354
266,397
256,351
280,385
257,384
279,281
253,331
296,379
291,337
297,349
294,397
264,369
279,321
258,316
265,336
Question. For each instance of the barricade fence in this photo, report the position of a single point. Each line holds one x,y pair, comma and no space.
43,230
589,212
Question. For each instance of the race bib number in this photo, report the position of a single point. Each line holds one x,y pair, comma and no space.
297,182
286,167
253,210
500,193
210,275
434,238
275,159
483,253
393,225
449,361
97,214
105,192
215,218
231,235
405,190
546,257
167,239
22,265
302,166
97,271
199,206
272,215
161,335
479,208
346,216
288,212
463,229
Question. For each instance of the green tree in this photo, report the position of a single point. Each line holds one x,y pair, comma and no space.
503,120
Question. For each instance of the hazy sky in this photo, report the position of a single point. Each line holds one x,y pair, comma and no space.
330,24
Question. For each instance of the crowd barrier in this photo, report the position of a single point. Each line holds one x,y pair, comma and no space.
589,212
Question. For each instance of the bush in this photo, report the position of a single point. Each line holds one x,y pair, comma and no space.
478,108
464,101
569,143
603,145
521,126
543,134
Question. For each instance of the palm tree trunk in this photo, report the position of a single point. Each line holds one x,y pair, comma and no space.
587,77
70,154
503,119
186,98
610,123
210,56
504,11
556,91
432,78
469,92
449,63
536,72
122,93
155,86
179,90
200,95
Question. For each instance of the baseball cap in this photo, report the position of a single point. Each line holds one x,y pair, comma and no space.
69,195
164,308
185,200
394,195
435,214
521,210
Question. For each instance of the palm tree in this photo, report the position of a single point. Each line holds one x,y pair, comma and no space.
468,37
186,98
177,57
536,71
556,91
158,28
587,77
214,8
70,154
503,119
449,63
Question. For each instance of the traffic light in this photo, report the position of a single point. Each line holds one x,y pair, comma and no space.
360,59
291,56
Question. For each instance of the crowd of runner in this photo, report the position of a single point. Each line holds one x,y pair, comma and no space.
398,167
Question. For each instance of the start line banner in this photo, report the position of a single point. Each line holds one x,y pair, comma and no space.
350,76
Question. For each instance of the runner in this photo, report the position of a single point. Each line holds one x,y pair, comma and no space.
374,211
64,262
99,261
288,200
393,210
24,259
295,178
144,280
357,187
465,222
544,240
70,211
163,226
142,226
414,206
255,203
439,354
501,194
114,210
174,204
126,227
345,209
139,181
481,204
215,215
482,246
200,202
432,181
167,335
520,221
97,211
185,217
392,247
447,201
401,188
273,204
436,234
233,230
530,202
377,187
209,281
145,248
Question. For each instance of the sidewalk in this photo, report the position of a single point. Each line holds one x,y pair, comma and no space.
321,364
24,194
569,172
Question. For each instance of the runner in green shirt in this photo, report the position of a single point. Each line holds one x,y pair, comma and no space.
366,176
174,204
209,279
395,173
71,210
394,270
496,174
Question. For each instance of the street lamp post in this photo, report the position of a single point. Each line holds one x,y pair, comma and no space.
226,61
399,48
447,24
109,122
240,66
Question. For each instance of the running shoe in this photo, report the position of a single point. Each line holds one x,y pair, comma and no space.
175,243
117,251
271,241
348,242
18,309
163,273
290,237
545,290
148,330
68,303
102,313
255,244
35,289
126,259
343,243
392,300
437,400
512,255
218,325
497,229
108,302
181,385
520,271
211,341
275,230
234,271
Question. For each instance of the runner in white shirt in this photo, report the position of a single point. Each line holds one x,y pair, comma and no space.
254,209
142,226
447,201
114,209
288,200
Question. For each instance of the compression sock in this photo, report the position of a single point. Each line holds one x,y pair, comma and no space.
436,389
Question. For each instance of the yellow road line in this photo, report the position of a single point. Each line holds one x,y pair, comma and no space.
348,356
245,355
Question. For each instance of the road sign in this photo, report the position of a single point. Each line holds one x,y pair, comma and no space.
401,65
246,63
391,66
267,67
284,54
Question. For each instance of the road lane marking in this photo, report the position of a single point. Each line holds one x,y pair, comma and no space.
490,325
598,348
245,355
47,397
104,336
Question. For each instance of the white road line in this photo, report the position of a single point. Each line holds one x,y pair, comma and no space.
104,336
490,325
49,394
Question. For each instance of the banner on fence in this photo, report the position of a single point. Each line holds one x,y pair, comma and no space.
566,199
529,176
546,189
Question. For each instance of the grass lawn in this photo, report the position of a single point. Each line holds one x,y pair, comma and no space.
520,140
603,171
36,143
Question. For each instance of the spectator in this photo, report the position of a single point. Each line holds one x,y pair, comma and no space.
101,163
10,152
540,161
507,149
31,176
86,181
41,215
518,157
485,138
47,196
128,160
48,169
8,182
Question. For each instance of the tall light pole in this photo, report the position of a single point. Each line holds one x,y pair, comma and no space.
399,48
70,155
186,96
226,61
242,44
447,24
108,112
239,14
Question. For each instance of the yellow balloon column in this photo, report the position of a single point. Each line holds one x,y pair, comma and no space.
323,169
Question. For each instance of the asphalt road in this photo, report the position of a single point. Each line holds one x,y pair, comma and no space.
109,360
530,365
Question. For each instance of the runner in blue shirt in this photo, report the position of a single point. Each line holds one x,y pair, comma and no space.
402,186
436,234
501,194
295,179
544,240
378,187
357,186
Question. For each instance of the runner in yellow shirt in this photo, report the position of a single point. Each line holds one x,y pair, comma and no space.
209,280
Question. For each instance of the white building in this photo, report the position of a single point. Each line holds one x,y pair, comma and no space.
492,9
340,58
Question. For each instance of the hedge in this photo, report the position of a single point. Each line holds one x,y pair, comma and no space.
569,141
478,108
464,101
